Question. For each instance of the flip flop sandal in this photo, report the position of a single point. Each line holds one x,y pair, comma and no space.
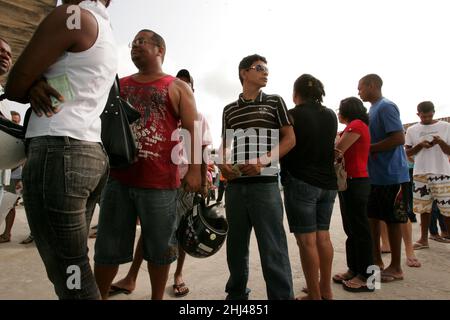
413,263
338,278
440,239
115,290
4,239
361,288
180,290
387,277
420,246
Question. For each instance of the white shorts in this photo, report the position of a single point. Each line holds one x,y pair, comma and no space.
428,188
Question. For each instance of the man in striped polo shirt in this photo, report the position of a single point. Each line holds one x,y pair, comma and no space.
256,132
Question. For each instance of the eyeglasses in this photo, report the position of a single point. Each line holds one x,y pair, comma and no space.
260,68
140,42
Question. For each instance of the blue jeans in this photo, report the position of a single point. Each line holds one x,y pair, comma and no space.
258,206
435,217
63,179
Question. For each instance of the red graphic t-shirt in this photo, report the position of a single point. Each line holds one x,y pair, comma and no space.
357,155
154,168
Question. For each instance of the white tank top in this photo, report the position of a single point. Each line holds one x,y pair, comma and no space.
91,74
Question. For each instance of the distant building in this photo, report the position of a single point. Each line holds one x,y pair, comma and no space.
407,125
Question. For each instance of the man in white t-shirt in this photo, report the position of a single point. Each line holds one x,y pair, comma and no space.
429,142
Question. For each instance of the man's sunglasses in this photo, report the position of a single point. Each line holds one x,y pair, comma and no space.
260,68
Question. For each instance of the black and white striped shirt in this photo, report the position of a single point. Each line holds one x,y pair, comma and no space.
254,125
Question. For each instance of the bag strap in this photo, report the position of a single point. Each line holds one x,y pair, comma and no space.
117,85
339,157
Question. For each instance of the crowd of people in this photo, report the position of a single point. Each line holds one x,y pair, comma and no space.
66,171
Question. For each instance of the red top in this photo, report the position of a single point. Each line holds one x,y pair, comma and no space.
357,155
154,168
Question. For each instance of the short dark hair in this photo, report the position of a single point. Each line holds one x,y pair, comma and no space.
15,113
352,109
184,73
425,107
309,88
159,41
247,62
374,79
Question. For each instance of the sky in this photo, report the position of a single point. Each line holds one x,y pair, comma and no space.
338,42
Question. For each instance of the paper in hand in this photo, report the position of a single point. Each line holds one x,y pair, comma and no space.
62,85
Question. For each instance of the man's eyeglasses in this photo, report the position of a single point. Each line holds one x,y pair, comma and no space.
260,68
141,42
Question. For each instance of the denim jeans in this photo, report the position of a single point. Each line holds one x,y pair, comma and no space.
63,179
258,206
308,208
435,217
353,203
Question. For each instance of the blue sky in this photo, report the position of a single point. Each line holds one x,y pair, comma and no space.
405,42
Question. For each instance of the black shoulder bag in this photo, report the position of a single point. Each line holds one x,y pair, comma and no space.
117,135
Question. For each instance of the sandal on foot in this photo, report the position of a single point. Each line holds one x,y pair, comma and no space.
338,278
413,262
438,238
351,286
28,240
419,246
180,290
388,277
4,239
115,290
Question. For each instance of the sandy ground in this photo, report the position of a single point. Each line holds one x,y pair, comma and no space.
23,275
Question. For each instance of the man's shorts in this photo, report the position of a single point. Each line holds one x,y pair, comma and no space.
185,202
388,203
430,187
119,207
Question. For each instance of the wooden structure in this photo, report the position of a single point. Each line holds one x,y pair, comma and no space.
19,19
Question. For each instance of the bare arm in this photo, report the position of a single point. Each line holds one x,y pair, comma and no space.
51,39
347,140
442,144
393,140
184,104
412,151
287,142
224,164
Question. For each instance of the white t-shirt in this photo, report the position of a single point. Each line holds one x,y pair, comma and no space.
5,175
432,160
90,75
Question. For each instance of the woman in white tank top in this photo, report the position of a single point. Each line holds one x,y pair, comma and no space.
74,51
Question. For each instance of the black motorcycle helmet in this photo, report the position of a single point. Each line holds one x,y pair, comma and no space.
202,230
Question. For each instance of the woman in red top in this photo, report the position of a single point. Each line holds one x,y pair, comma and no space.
354,144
